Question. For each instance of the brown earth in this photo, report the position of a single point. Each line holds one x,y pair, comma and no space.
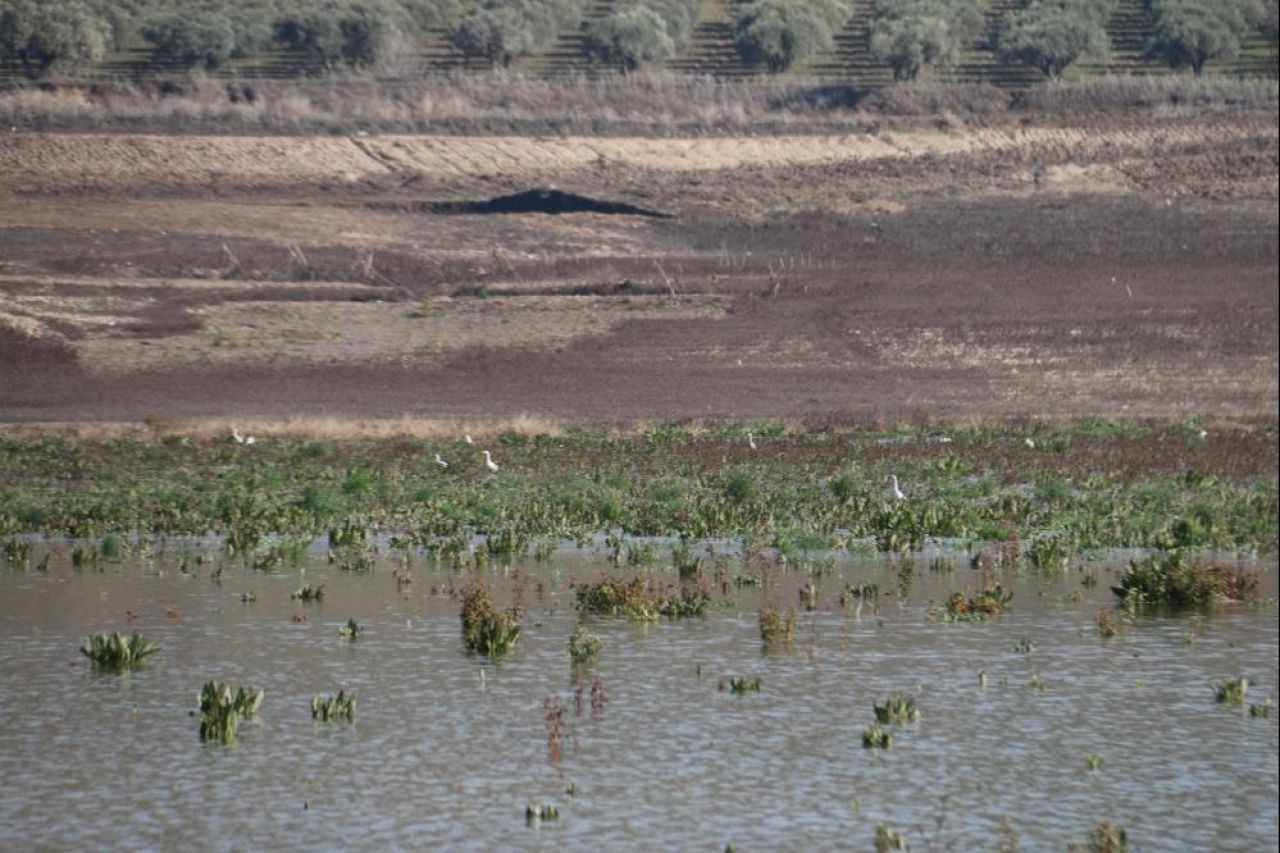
1118,268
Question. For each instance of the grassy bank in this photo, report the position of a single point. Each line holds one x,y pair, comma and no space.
1059,489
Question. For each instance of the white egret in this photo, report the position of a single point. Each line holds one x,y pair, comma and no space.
242,439
441,462
1029,442
897,492
489,463
467,438
751,441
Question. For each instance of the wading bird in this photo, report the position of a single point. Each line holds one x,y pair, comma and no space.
242,439
897,492
751,441
489,463
441,462
467,438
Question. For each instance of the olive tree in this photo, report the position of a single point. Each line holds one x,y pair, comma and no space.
1052,34
910,34
354,33
630,37
196,38
44,36
1189,33
501,30
780,33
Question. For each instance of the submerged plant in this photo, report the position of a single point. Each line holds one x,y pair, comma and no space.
351,630
877,738
889,839
117,653
740,684
329,708
308,593
584,648
959,608
1232,691
899,710
222,709
485,629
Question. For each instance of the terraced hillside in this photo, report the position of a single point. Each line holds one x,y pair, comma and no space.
712,53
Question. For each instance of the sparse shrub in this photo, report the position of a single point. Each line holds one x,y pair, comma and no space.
116,653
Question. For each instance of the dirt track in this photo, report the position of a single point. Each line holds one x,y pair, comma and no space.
914,272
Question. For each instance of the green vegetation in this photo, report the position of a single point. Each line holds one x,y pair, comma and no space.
116,653
307,593
351,631
1174,578
485,629
777,631
222,709
330,708
641,32
502,30
889,839
672,486
1106,838
1093,762
910,34
535,812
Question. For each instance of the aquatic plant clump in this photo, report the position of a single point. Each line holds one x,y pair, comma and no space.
1174,579
776,630
899,710
330,708
740,684
584,648
485,629
877,738
1232,691
222,709
959,608
887,838
117,653
635,600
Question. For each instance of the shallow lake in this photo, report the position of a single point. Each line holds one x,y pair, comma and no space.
447,749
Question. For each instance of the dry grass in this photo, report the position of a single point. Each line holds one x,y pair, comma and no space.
330,428
657,104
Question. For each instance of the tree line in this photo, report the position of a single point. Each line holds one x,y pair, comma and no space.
46,36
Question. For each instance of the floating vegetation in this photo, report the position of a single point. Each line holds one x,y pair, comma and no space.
222,709
286,553
308,593
584,648
1093,762
899,710
1110,622
1037,683
1105,838
959,608
777,631
117,653
1233,691
635,600
889,839
1175,579
354,558
333,708
1261,709
485,629
536,812
877,738
351,630
740,684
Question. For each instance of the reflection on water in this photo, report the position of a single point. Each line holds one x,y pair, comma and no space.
447,749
